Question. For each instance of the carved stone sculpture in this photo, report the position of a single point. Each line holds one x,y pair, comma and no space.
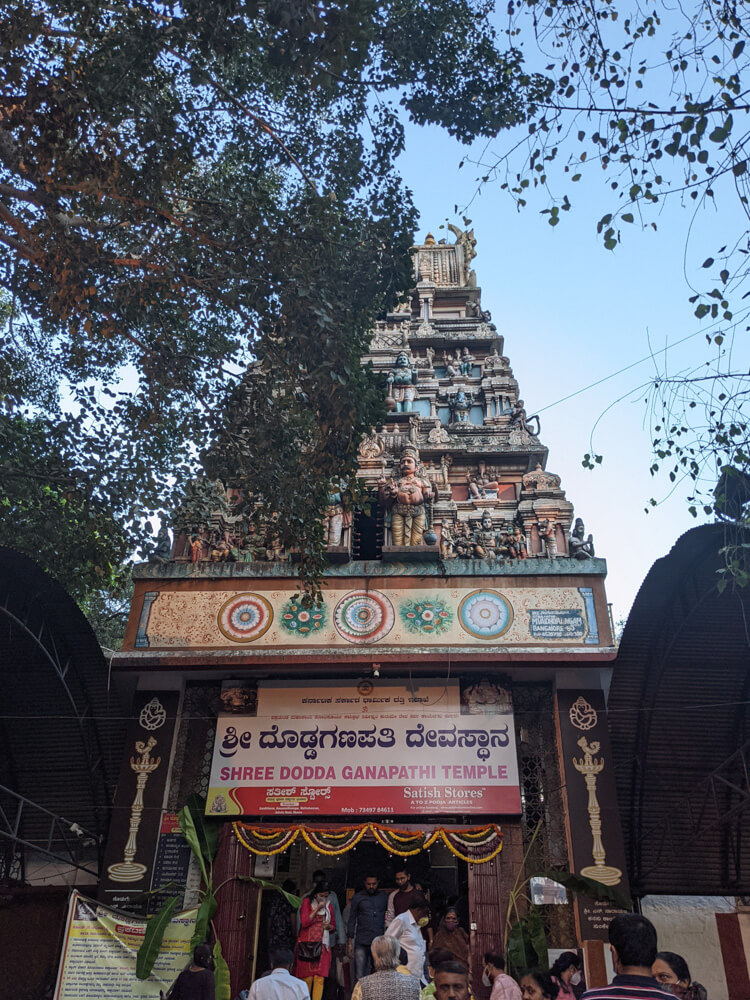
481,483
578,546
406,497
222,550
438,435
548,536
520,421
467,361
540,480
485,539
447,549
163,549
460,403
451,364
371,446
476,490
402,382
336,519
462,541
518,546
195,549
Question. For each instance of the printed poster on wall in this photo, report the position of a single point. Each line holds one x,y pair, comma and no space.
100,948
364,748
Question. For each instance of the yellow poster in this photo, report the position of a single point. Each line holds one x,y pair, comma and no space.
100,948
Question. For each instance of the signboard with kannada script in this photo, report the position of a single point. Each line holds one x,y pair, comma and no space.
370,748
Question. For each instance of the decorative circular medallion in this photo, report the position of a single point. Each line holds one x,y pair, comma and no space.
428,616
245,617
363,616
485,614
302,621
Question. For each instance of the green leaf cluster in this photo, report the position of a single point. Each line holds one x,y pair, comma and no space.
185,190
203,837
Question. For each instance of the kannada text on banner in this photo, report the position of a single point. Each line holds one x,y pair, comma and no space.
366,749
100,948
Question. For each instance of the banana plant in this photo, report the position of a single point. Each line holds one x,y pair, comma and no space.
203,837
525,937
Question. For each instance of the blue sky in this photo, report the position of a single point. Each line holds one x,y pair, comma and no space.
571,313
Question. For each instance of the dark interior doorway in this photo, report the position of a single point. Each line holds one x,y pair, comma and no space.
443,877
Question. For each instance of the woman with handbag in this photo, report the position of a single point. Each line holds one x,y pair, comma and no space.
312,955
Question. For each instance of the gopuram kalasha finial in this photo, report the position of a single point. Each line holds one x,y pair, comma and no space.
128,870
590,766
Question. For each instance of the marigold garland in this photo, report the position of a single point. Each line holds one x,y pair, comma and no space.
400,851
266,850
312,838
402,843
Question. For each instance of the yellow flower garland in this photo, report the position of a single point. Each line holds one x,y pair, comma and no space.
380,833
266,853
336,851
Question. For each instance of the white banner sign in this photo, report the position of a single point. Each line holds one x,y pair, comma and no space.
365,748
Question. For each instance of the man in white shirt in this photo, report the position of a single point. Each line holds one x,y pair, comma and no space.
406,928
279,984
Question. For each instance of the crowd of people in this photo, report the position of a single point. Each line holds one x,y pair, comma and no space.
395,952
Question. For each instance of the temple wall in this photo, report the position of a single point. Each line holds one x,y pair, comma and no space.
687,926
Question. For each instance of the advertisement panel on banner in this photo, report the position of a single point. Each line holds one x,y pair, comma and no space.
100,949
365,748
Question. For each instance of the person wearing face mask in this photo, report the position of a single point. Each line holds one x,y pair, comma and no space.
406,928
452,937
566,971
313,949
366,922
538,985
504,987
673,975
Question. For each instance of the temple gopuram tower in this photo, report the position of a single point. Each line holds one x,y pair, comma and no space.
443,707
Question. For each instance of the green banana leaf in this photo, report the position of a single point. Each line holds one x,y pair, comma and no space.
206,912
202,835
149,950
222,984
295,901
527,942
585,886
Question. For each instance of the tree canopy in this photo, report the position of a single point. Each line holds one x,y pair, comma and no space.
186,188
654,100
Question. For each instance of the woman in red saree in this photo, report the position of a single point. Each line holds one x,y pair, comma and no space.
312,956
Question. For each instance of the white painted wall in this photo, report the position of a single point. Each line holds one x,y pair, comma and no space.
687,926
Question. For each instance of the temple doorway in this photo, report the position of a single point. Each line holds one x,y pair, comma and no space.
443,877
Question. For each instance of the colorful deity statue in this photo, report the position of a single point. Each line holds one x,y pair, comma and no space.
485,539
407,498
467,361
460,403
517,544
402,381
336,518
